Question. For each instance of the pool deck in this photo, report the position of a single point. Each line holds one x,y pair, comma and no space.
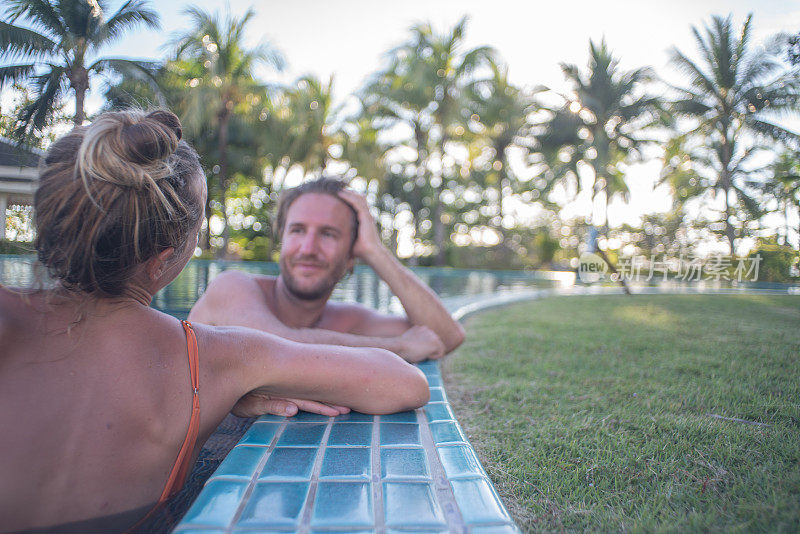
406,472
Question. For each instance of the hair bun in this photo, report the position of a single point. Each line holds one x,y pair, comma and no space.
129,148
169,119
152,139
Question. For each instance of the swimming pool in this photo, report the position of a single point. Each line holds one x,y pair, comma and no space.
363,286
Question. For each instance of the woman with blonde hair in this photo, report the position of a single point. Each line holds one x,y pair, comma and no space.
104,401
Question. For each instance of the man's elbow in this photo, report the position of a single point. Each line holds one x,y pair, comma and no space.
455,338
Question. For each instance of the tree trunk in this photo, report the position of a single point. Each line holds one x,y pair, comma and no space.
729,232
79,81
207,236
420,166
80,97
786,214
725,178
224,122
438,226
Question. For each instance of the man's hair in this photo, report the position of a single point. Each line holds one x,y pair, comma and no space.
324,185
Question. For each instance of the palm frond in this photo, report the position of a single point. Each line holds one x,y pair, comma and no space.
48,88
15,73
129,15
773,131
144,71
41,14
698,78
16,42
476,58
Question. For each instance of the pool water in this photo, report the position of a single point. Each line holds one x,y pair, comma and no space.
362,286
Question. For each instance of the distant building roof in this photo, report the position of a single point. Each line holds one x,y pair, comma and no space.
12,155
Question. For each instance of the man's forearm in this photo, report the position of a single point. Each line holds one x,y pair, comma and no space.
318,336
421,304
330,337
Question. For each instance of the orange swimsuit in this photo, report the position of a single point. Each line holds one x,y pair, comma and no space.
180,470
184,461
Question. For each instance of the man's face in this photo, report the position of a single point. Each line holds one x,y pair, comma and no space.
316,243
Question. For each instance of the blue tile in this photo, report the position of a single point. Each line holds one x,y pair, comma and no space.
289,463
477,501
404,463
260,434
510,528
348,462
460,462
409,504
240,463
269,418
192,530
354,417
429,367
437,395
308,417
447,432
346,504
438,412
341,531
275,504
434,380
350,434
419,531
216,504
399,434
400,417
302,435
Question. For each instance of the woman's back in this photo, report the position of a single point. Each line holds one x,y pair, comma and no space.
76,397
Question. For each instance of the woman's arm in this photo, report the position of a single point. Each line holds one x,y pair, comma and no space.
367,380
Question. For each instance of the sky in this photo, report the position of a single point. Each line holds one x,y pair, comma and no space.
347,39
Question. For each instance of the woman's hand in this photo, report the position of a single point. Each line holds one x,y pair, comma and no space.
257,403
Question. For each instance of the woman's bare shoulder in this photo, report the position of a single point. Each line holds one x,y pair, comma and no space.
18,308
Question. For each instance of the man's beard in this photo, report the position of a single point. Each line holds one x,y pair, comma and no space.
321,290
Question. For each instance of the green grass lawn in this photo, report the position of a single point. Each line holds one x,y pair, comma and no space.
593,413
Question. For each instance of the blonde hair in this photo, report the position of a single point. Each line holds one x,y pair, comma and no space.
112,195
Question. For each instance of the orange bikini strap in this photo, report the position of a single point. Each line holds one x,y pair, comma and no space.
182,465
180,469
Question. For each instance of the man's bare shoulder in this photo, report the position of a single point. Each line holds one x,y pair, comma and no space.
230,290
239,282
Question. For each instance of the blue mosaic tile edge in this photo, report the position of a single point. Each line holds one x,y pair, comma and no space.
407,472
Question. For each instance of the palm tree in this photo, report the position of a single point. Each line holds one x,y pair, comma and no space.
226,81
448,69
401,95
597,127
311,132
53,53
732,97
498,110
370,156
783,186
424,85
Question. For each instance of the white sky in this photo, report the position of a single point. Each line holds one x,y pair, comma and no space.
347,39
